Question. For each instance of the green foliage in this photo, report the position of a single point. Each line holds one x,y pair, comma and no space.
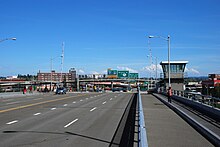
27,77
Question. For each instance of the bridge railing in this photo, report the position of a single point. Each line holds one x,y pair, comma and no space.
203,99
142,136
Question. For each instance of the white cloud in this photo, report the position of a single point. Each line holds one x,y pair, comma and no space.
80,71
95,72
192,71
152,67
127,68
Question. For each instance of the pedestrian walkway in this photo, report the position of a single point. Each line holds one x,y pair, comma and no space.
13,94
166,129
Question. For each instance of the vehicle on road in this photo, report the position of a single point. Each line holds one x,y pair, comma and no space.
61,90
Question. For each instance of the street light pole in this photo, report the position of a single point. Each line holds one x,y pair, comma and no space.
168,42
51,69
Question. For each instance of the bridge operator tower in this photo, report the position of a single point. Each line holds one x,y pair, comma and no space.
177,69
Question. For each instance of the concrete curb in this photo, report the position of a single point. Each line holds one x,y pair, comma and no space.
208,134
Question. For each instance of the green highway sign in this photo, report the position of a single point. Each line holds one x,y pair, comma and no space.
123,74
112,73
133,75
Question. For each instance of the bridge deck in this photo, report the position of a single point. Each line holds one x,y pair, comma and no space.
166,128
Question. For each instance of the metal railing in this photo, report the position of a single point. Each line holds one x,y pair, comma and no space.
203,99
142,136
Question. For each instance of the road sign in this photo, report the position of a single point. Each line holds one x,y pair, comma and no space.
133,75
123,74
112,73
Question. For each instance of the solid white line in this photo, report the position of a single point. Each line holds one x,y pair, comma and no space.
93,109
9,123
53,108
38,99
104,102
70,123
13,103
37,114
65,105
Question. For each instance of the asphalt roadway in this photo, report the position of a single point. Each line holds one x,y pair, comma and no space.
74,119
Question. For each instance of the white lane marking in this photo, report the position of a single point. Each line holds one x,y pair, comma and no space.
53,108
65,105
37,114
93,109
104,102
71,123
81,100
110,99
7,100
87,98
38,99
74,102
12,122
13,103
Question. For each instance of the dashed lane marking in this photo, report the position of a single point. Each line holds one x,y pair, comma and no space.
37,114
93,109
12,122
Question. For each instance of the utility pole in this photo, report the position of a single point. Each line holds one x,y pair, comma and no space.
62,59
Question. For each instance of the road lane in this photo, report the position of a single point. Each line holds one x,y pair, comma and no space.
70,124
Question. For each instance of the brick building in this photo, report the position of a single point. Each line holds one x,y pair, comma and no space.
56,77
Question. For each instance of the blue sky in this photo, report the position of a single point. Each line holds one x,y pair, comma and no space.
101,34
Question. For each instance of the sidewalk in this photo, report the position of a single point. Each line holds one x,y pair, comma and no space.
13,94
166,129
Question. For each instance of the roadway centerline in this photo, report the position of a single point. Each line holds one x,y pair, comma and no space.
93,109
12,122
71,123
34,104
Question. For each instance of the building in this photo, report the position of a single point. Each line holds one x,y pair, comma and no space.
177,69
212,85
56,77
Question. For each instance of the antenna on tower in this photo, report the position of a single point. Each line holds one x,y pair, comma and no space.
62,59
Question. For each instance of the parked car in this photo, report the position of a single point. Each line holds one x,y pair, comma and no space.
61,90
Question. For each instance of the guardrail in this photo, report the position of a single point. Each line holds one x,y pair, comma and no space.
142,136
203,99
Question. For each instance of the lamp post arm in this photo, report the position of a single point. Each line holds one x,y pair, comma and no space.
7,39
